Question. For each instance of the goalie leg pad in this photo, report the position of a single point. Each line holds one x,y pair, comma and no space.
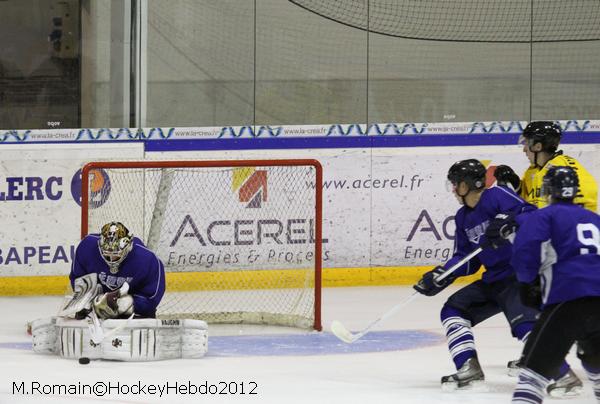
43,333
74,340
124,340
151,339
65,337
194,341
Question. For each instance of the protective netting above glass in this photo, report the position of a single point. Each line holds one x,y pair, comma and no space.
467,20
299,62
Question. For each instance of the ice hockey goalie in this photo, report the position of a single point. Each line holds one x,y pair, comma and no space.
78,331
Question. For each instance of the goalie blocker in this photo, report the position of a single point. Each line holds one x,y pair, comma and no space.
124,340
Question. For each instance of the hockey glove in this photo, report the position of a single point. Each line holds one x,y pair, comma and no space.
428,285
531,293
113,305
500,231
507,177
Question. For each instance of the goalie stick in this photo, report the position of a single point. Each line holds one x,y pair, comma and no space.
97,334
338,329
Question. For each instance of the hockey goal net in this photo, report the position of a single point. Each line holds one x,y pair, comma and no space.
240,240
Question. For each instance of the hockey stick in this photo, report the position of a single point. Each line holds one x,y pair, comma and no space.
338,329
97,332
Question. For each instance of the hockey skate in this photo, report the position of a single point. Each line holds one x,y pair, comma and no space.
469,375
566,386
514,367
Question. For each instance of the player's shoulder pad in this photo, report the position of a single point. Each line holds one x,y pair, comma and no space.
552,210
142,252
137,241
460,214
90,239
559,160
529,174
493,193
501,191
564,209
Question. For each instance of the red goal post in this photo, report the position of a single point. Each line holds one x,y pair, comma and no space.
241,240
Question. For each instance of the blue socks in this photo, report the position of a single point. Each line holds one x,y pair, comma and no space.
459,335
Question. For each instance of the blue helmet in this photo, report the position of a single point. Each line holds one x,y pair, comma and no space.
561,183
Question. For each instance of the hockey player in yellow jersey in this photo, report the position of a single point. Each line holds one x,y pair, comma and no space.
540,142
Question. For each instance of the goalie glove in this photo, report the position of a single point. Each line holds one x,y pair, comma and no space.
507,177
500,231
114,304
85,289
428,285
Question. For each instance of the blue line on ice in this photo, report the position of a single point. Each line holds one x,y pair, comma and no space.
314,343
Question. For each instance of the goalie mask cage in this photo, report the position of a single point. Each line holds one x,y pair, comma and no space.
241,240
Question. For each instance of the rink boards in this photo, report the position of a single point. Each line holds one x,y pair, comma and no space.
387,213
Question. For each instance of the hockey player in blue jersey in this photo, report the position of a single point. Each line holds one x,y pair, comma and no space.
118,257
557,259
497,291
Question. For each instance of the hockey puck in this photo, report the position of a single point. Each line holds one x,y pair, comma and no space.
84,360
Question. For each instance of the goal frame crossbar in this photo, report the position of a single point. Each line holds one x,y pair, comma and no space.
159,164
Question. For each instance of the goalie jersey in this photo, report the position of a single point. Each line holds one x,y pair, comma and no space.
561,243
470,229
141,268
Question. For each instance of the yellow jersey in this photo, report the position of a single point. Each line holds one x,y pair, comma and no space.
531,183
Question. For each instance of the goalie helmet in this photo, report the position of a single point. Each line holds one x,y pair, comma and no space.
114,244
470,171
560,183
547,133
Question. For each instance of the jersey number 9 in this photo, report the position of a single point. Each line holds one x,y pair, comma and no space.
588,235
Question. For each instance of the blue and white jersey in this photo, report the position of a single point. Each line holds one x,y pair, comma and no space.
471,224
561,242
142,269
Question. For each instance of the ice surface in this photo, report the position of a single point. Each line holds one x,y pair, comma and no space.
401,362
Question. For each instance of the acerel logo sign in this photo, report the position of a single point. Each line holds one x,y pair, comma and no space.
250,185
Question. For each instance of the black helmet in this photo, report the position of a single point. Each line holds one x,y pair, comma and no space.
545,132
561,183
470,171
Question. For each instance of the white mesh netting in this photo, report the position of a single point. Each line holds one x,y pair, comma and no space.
238,243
